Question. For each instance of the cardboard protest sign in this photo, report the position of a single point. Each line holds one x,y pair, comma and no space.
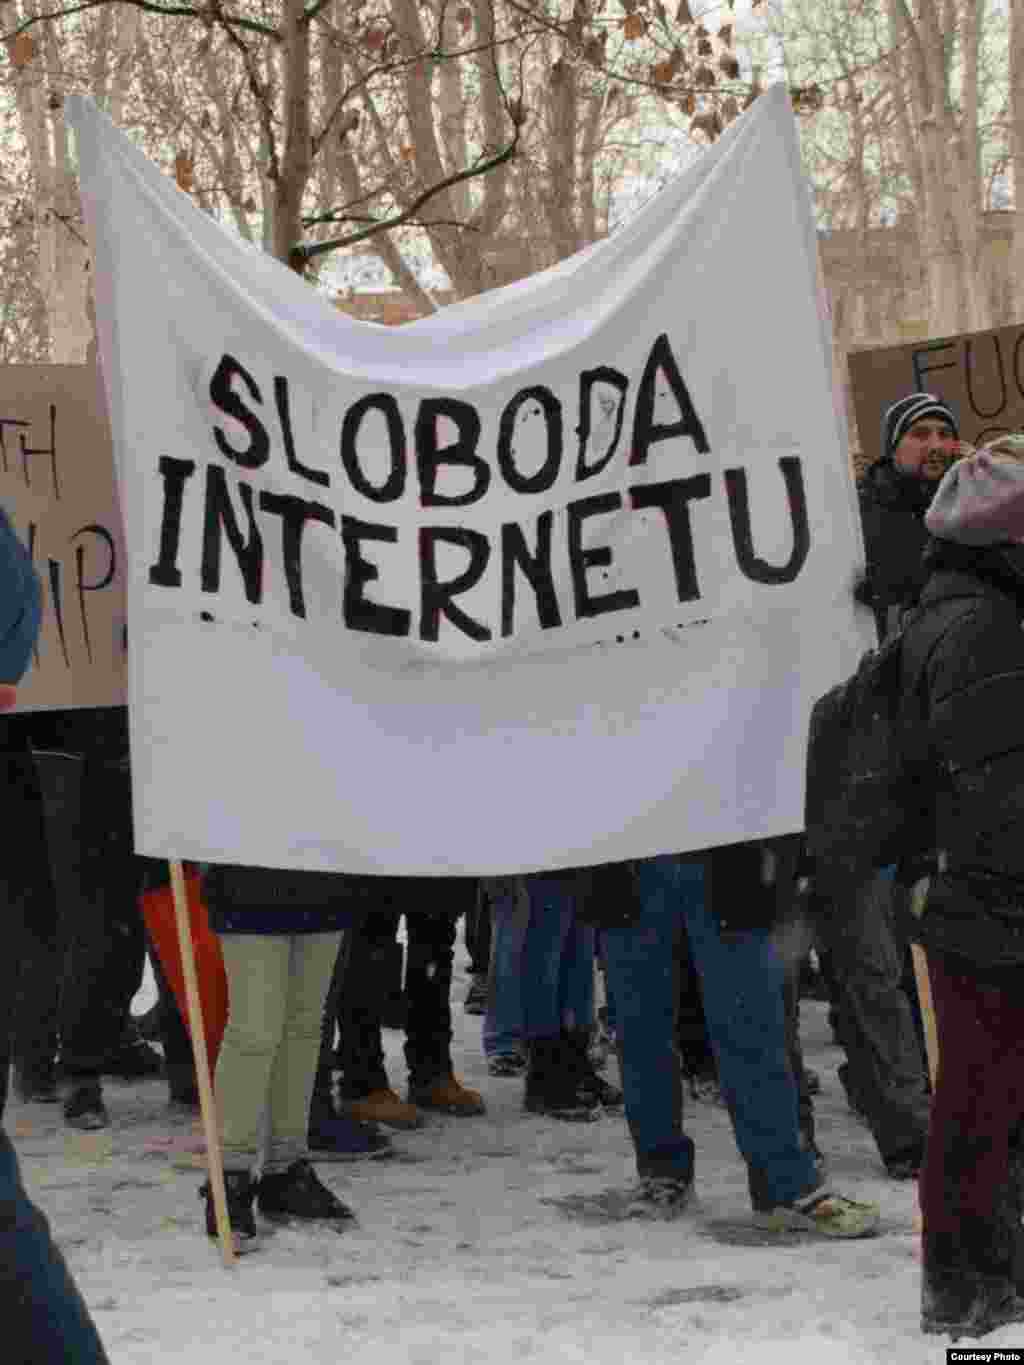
57,486
549,578
980,374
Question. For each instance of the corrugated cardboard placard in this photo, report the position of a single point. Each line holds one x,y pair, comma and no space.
57,486
980,374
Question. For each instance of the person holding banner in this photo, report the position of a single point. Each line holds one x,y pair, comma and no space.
45,1319
963,670
729,899
280,933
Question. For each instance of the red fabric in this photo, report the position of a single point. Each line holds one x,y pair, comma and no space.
978,1101
158,911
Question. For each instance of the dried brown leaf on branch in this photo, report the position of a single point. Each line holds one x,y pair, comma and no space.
634,26
662,72
184,172
375,38
21,49
465,17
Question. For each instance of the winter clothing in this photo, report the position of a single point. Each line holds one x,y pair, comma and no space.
557,959
503,1020
742,979
905,412
970,649
263,901
45,1318
973,1240
892,510
276,990
20,604
963,665
980,501
874,1021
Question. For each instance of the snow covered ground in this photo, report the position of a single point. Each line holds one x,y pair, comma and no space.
459,1258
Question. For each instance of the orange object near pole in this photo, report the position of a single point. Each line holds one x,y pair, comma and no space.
211,1130
157,908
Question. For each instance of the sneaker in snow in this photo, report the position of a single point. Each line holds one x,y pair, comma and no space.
823,1213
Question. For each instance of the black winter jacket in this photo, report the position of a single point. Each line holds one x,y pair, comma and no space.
969,657
892,508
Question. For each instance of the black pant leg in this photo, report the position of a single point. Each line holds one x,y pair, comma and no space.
360,1049
108,948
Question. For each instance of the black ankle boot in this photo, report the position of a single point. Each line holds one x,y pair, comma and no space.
553,1082
240,1190
591,1083
300,1194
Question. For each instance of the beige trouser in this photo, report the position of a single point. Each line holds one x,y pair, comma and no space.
277,985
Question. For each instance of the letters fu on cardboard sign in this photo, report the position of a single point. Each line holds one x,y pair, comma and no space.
549,578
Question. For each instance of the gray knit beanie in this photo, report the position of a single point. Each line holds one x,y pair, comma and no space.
980,500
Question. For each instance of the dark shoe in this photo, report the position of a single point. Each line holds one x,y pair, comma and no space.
36,1085
240,1190
905,1164
299,1193
345,1139
552,1083
961,1304
592,1085
84,1108
476,996
507,1064
134,1060
660,1196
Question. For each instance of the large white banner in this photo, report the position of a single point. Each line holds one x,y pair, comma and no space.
551,578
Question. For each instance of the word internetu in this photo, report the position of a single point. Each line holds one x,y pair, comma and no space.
526,556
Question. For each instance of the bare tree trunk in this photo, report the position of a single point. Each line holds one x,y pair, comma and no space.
296,162
1017,152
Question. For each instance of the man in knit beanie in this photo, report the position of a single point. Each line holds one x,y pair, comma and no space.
877,1022
920,439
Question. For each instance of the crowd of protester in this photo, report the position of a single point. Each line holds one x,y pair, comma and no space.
701,952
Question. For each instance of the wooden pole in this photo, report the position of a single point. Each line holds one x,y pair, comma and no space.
924,995
211,1131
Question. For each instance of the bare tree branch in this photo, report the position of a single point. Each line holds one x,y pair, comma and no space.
305,253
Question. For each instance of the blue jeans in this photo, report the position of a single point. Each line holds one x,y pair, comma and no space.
741,977
510,916
45,1320
557,961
